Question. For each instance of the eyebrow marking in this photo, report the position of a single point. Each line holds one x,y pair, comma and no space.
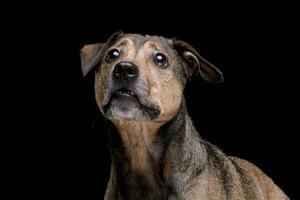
122,43
153,45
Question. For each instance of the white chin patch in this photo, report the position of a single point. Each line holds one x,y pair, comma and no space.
131,113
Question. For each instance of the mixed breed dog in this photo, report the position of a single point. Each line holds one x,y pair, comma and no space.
156,151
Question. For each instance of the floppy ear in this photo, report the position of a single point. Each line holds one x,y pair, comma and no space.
91,54
193,60
87,55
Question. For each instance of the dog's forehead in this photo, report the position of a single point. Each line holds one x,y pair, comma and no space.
140,40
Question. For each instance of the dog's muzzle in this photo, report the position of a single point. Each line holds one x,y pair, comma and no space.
125,98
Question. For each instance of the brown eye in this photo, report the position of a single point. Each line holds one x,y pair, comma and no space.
160,59
113,55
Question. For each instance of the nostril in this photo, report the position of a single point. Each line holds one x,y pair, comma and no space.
116,72
130,71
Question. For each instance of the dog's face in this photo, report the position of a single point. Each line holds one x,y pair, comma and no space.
142,78
139,79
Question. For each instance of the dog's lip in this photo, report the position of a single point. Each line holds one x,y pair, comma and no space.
125,92
152,111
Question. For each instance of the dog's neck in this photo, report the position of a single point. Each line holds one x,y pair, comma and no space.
148,159
138,143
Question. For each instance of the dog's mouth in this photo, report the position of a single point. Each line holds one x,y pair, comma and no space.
125,92
122,94
128,101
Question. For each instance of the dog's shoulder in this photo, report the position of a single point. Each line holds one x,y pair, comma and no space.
239,177
252,176
222,173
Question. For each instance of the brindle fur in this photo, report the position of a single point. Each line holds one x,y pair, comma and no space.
164,157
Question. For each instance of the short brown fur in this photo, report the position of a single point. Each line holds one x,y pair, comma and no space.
162,156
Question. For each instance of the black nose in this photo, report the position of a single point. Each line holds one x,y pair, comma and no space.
125,71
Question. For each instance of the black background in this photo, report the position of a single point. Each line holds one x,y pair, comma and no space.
62,150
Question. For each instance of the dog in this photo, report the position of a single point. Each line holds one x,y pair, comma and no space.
156,151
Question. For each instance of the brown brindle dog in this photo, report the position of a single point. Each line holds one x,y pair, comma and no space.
156,152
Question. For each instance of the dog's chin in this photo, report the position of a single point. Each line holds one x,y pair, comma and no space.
129,108
124,108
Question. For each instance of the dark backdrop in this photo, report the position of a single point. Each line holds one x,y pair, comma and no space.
253,114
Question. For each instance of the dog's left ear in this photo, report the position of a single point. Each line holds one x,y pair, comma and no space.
193,60
91,54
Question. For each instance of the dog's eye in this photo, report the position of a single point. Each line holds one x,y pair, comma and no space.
113,55
160,59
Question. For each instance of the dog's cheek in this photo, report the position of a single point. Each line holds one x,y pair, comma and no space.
170,94
172,98
99,90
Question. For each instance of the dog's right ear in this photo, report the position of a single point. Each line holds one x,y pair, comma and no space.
88,54
91,54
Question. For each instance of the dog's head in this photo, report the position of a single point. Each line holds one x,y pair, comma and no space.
143,77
